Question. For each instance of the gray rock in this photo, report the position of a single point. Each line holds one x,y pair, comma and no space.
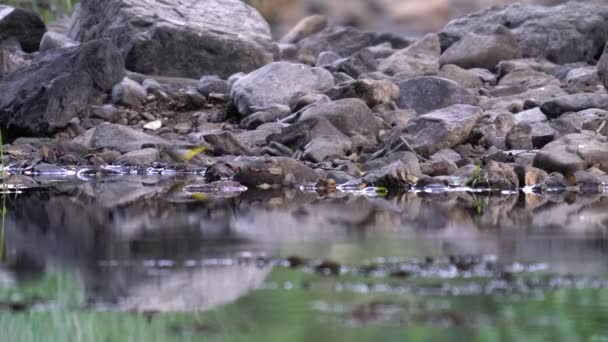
574,103
300,134
536,95
178,38
542,133
370,91
571,32
583,79
212,84
23,25
143,157
128,93
45,96
106,112
117,137
304,28
270,114
484,48
327,58
602,67
443,128
595,120
567,124
465,78
419,59
429,93
52,40
13,60
519,137
274,171
397,176
530,116
277,83
536,64
573,152
326,147
446,154
226,143
528,79
359,63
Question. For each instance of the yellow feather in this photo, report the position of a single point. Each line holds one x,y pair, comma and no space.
193,152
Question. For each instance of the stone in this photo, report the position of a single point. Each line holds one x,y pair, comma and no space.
446,154
397,176
178,38
501,176
128,93
359,63
602,67
370,91
461,76
304,28
536,64
143,157
343,40
154,125
52,40
117,137
572,32
441,129
536,95
587,182
327,58
595,120
212,84
520,137
270,114
573,152
439,168
531,176
542,133
46,95
583,79
419,59
326,147
567,124
528,79
483,48
300,134
13,60
277,83
274,171
226,143
530,116
25,26
574,103
428,93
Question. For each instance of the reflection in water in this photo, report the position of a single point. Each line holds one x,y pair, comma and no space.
142,244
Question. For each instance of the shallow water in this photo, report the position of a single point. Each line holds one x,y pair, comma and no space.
138,258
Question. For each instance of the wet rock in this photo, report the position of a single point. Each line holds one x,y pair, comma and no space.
227,143
52,40
212,84
556,181
542,133
446,155
360,63
23,25
483,48
419,59
143,157
587,182
501,176
440,129
520,137
304,28
439,168
117,137
429,93
548,32
567,124
277,83
128,93
186,39
461,76
574,103
45,96
326,148
219,171
397,176
274,171
573,152
531,176
371,91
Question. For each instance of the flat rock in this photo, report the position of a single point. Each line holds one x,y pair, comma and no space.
465,78
573,152
117,137
301,133
429,93
418,59
371,91
574,103
143,157
326,147
178,38
536,95
277,83
23,25
274,171
528,78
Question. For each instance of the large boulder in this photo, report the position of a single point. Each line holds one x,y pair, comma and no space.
277,83
573,152
429,93
43,97
23,25
571,32
178,38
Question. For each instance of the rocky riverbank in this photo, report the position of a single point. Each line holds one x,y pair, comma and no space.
510,97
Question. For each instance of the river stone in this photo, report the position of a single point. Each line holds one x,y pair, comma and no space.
602,67
419,59
582,79
117,137
212,84
428,93
274,171
397,176
300,134
128,93
536,95
143,157
277,83
484,48
52,40
465,78
519,137
441,129
595,120
343,40
528,79
371,91
573,152
43,97
574,103
571,32
186,38
326,148
304,28
23,25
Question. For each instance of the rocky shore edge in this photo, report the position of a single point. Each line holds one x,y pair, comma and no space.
512,97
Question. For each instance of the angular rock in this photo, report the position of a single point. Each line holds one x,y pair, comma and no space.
602,67
128,93
44,96
595,120
143,157
360,63
300,134
23,25
542,133
326,148
117,137
461,76
178,38
483,48
520,137
571,32
429,93
528,78
277,83
419,59
501,176
583,79
343,40
371,91
227,143
537,95
573,152
574,103
270,114
274,171
52,40
11,61
530,116
212,84
397,176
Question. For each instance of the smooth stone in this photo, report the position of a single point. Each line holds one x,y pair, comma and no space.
212,84
304,28
326,147
143,157
274,171
371,91
128,93
465,78
428,93
117,137
573,152
574,103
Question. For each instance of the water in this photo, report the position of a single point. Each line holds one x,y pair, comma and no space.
134,258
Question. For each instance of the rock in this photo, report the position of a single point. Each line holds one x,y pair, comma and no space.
153,125
542,133
583,79
602,67
461,76
419,59
143,157
536,64
370,91
304,28
595,120
45,96
327,58
219,171
178,38
483,48
326,148
270,114
276,83
23,25
128,93
530,176
227,143
107,112
446,155
537,95
571,32
573,152
567,124
429,93
274,171
574,103
500,176
52,40
530,116
397,176
360,63
439,168
183,128
117,137
587,182
300,134
520,137
11,61
443,128
528,79
212,84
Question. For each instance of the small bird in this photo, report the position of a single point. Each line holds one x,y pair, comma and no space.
186,153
